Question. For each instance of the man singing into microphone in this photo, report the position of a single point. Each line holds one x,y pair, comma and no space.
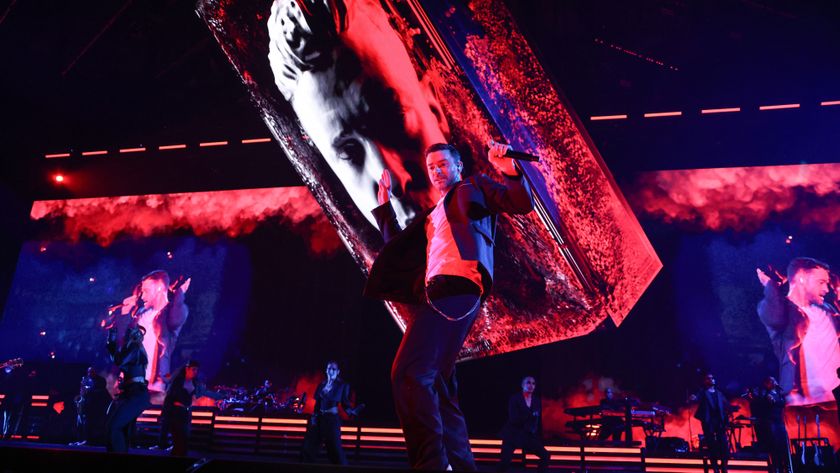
803,331
442,264
162,318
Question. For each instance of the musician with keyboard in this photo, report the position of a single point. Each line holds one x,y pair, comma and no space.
615,415
612,416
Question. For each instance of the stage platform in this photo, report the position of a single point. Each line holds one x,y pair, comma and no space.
267,443
18,456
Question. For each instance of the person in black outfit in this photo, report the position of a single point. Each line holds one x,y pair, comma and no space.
324,426
134,396
442,265
613,425
712,412
836,393
523,426
767,405
175,415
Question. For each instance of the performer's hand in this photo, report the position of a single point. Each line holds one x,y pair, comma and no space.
185,286
384,193
763,278
495,155
128,304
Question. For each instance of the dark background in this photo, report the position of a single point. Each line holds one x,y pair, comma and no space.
105,75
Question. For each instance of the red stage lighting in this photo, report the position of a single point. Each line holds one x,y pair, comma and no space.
58,178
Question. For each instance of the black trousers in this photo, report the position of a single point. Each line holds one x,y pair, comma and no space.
772,438
175,421
326,430
425,389
124,411
718,444
529,443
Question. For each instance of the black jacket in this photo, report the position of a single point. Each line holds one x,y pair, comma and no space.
522,420
786,325
398,273
711,408
326,400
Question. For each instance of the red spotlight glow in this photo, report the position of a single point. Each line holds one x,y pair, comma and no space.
59,178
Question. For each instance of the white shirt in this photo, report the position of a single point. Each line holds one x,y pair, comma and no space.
821,356
147,321
442,254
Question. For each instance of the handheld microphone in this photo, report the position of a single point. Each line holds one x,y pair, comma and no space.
521,156
517,155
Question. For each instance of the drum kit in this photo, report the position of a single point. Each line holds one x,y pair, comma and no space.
238,400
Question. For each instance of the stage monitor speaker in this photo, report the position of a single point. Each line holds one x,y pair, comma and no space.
666,444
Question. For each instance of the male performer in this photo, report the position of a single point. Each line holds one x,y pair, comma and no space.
613,425
712,412
162,319
523,426
443,265
803,331
767,405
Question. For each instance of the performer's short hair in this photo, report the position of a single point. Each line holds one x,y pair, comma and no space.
158,275
443,147
333,362
804,264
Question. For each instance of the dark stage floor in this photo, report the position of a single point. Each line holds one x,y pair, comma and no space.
23,456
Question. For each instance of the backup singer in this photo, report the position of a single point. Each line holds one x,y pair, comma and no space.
134,396
324,426
175,415
713,414
442,264
767,405
523,426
